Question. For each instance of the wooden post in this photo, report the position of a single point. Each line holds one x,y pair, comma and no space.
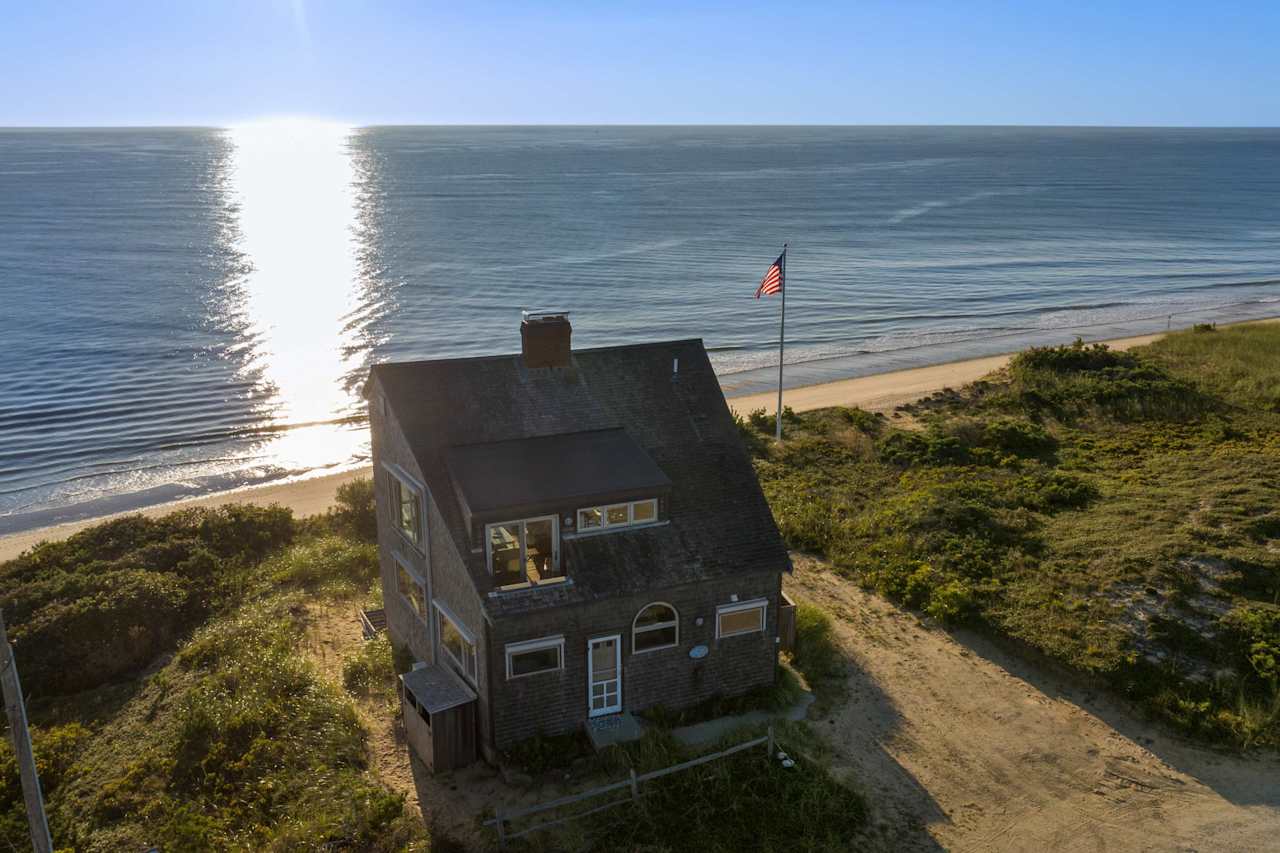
16,710
502,833
635,787
770,745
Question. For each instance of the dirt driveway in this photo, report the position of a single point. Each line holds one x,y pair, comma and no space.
964,747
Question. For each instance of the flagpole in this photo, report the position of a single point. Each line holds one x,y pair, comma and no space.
782,335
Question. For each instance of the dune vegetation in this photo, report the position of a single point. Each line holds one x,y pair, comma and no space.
1117,512
171,703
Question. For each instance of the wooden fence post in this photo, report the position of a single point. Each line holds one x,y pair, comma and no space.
502,833
769,754
635,787
11,689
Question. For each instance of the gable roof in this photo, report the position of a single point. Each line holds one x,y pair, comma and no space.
719,523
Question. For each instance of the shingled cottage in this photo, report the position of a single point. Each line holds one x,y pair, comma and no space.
567,536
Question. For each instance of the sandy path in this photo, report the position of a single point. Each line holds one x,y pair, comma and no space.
963,747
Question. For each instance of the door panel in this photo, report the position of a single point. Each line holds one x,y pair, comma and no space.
604,675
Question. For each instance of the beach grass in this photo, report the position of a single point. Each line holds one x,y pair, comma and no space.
216,731
1119,512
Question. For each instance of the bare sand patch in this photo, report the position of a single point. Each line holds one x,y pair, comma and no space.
963,746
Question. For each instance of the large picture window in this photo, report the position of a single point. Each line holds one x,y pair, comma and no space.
745,618
524,552
406,508
656,626
457,643
411,588
535,656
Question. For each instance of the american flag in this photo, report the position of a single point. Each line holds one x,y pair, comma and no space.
772,281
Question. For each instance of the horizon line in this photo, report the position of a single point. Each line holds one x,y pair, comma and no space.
363,125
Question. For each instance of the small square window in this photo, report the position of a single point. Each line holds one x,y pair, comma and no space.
644,511
618,514
589,519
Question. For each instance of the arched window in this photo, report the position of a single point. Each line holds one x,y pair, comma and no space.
657,626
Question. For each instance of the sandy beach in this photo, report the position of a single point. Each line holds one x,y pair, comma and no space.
879,393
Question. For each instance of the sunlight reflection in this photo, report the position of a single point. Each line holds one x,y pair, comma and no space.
292,181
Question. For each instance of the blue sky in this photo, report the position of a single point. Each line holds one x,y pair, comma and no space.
903,62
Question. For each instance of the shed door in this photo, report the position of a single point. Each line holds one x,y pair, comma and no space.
604,675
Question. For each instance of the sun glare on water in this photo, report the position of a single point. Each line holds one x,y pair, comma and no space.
291,181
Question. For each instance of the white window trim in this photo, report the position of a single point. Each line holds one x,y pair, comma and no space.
420,492
605,524
761,604
443,611
409,570
675,622
512,649
555,549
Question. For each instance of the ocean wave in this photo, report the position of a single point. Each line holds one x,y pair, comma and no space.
929,206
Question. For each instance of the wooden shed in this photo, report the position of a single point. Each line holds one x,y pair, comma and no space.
439,717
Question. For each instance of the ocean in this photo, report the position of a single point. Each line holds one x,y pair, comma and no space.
185,310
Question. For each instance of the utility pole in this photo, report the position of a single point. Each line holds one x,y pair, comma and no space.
16,710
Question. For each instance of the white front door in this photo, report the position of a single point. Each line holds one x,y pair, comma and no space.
604,675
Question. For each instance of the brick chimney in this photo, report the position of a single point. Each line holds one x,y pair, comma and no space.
544,338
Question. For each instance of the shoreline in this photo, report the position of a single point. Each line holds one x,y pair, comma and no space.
879,392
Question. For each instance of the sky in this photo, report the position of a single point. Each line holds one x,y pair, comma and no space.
219,62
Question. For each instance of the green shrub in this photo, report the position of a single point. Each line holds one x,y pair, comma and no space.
950,601
371,669
1254,632
355,513
817,653
116,623
115,596
1077,380
325,560
912,448
862,420
56,749
1019,437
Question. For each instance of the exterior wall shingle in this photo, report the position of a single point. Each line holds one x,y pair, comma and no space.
441,564
556,702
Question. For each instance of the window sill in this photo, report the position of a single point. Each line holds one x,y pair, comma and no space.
636,651
529,586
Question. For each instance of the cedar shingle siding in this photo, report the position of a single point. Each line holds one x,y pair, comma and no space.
715,538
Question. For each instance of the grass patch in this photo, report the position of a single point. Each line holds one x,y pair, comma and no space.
372,670
743,802
207,727
1054,500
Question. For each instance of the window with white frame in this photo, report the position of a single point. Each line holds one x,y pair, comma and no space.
411,587
534,656
617,515
406,507
744,618
524,552
656,626
457,643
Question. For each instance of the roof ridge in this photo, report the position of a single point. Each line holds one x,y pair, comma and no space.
498,356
